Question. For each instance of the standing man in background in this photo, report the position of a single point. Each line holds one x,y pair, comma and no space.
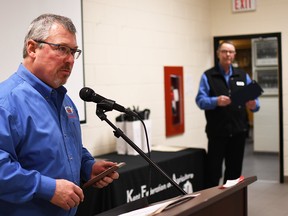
227,124
42,159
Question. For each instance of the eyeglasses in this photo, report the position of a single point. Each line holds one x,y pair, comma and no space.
63,50
231,52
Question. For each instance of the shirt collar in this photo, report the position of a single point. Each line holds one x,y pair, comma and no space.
223,72
45,90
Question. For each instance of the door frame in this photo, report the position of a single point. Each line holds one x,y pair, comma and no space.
217,39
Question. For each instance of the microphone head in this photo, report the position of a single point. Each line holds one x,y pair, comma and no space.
86,94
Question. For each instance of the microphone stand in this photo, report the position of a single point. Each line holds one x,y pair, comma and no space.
100,112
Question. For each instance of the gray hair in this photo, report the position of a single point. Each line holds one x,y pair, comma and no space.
40,27
225,42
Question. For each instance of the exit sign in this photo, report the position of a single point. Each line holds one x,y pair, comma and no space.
243,5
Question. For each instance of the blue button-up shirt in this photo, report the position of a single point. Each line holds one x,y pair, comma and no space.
40,141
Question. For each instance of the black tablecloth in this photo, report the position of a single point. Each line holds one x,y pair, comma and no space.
185,167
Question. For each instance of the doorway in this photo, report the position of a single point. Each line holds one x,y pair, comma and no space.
263,70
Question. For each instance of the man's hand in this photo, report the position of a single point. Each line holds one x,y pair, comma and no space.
99,167
67,195
251,105
223,100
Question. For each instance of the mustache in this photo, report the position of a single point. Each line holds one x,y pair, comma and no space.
66,67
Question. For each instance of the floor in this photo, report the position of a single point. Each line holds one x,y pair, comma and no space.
266,196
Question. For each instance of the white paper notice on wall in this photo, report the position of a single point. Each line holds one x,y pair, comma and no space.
243,5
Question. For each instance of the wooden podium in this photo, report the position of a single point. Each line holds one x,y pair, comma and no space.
212,201
216,201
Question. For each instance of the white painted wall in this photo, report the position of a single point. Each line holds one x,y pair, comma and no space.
128,42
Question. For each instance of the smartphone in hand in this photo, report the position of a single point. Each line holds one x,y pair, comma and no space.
103,174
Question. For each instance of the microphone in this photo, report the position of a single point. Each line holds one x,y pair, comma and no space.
88,95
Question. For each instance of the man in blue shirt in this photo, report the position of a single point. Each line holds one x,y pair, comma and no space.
227,123
42,159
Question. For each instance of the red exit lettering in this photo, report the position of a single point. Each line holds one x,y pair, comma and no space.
243,5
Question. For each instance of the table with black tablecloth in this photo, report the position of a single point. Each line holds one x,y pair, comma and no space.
185,167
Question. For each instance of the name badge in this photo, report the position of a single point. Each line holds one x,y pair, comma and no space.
240,83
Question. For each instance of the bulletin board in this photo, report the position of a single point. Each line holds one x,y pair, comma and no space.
15,18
